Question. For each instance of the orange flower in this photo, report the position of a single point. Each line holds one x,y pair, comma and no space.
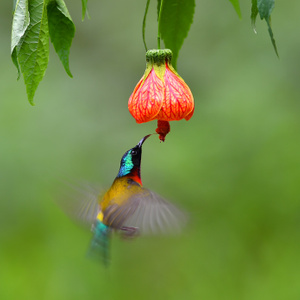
161,94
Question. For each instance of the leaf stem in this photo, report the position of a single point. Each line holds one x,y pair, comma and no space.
144,24
158,26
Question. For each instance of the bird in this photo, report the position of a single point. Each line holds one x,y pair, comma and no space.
127,207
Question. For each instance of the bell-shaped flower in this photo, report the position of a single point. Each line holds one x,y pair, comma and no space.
161,94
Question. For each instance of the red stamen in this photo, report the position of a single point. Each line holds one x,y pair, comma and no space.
163,128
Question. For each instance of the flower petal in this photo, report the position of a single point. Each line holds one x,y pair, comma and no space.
146,100
188,116
178,100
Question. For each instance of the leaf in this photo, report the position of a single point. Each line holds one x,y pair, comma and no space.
236,6
84,9
254,12
19,25
14,58
33,47
265,8
62,30
176,17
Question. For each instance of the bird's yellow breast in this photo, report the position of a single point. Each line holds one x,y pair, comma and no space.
120,191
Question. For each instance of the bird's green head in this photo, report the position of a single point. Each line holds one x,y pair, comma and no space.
131,160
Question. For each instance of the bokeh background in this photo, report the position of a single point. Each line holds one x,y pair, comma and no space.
235,166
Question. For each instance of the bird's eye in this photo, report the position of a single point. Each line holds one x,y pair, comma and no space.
133,152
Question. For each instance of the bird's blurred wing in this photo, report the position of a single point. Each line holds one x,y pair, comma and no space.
80,203
147,211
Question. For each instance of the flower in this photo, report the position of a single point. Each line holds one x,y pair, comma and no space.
161,94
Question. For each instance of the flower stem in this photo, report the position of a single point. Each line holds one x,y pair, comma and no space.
158,27
144,24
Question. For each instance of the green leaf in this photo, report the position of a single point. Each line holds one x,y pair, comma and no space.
14,57
33,47
254,12
62,30
19,25
84,9
236,6
265,8
176,17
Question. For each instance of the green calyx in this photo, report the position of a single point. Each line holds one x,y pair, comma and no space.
158,56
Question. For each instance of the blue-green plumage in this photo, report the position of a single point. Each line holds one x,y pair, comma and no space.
99,247
126,164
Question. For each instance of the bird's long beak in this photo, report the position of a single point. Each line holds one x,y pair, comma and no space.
143,140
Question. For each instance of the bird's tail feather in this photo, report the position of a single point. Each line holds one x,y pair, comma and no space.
99,248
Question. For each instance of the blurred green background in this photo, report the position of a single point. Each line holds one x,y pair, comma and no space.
235,166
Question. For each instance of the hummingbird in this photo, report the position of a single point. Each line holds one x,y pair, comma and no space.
128,208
